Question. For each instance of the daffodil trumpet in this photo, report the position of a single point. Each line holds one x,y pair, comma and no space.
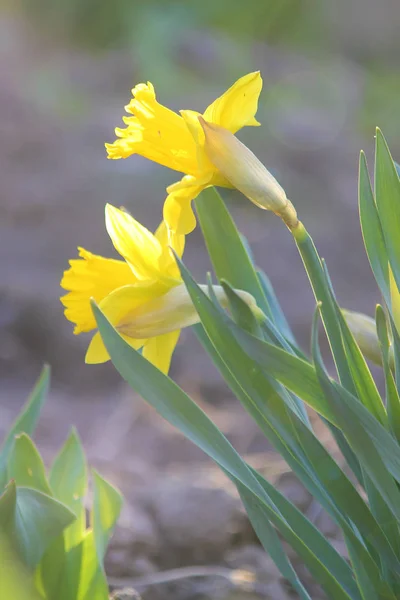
177,141
245,172
174,310
143,296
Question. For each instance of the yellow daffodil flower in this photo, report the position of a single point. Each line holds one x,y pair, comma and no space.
143,296
127,290
177,141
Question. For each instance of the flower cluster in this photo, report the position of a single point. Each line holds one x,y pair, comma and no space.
143,295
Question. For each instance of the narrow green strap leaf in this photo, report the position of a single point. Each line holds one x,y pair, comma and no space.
383,515
268,413
395,337
312,536
25,465
371,228
240,311
370,584
26,420
387,194
278,316
322,293
300,377
226,248
392,395
364,383
356,434
174,405
270,540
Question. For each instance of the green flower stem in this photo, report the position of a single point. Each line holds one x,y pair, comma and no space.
316,275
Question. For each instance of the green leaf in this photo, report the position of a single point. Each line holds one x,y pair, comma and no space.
225,246
245,319
370,584
68,481
240,311
392,395
296,444
387,194
16,581
107,503
92,579
25,465
278,316
32,520
366,389
300,377
371,227
270,540
174,405
310,534
26,420
356,434
61,566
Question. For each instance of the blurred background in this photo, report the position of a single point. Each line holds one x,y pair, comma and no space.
331,75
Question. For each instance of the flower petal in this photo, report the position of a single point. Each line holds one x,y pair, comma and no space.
116,306
134,242
158,350
168,239
155,132
236,108
97,352
178,212
91,276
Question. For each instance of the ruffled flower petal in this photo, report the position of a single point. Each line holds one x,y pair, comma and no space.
155,132
91,276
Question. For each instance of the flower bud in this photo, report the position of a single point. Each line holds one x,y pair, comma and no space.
245,172
364,330
170,312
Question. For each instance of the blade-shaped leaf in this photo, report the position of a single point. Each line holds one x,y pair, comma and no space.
278,316
26,420
107,503
32,520
227,251
61,566
387,195
68,481
392,395
174,405
357,435
294,442
371,227
364,383
25,465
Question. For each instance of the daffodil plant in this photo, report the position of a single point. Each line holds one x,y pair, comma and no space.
139,304
47,550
